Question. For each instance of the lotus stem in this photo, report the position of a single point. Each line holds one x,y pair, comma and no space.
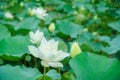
44,73
48,68
24,62
36,63
44,70
30,63
58,70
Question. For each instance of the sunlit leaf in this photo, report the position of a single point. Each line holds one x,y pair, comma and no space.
8,72
4,33
114,46
28,23
54,75
14,46
88,66
69,28
115,25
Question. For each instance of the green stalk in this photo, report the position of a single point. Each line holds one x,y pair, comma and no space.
30,63
48,68
24,62
58,70
44,73
36,63
44,70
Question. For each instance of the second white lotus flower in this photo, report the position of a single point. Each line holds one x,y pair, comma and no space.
36,37
40,13
8,15
48,53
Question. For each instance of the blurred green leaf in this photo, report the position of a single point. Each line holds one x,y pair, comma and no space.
44,78
88,66
8,72
69,28
115,25
28,23
54,75
4,33
68,8
105,39
68,76
14,46
114,45
62,46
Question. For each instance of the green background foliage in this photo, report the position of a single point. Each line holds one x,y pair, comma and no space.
94,24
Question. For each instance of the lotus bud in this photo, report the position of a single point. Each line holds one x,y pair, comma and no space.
82,8
31,12
75,49
93,1
95,33
75,12
22,4
51,27
80,18
95,17
21,19
85,30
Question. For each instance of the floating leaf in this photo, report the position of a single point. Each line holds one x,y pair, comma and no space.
4,33
88,66
14,46
114,46
8,72
62,46
115,25
69,28
54,75
28,23
68,76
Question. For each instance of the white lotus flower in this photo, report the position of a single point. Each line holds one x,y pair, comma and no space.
49,54
40,13
36,37
8,15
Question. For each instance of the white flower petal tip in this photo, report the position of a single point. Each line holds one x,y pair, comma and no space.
51,64
33,50
61,55
55,64
44,64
